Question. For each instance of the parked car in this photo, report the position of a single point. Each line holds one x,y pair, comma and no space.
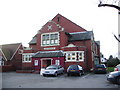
100,68
75,70
117,68
53,70
114,77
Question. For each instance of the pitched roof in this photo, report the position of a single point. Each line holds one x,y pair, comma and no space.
49,54
79,36
98,43
33,41
9,50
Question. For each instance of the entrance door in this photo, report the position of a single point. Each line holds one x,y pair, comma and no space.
46,63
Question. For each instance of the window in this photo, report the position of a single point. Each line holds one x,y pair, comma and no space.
71,56
81,56
50,39
27,57
57,62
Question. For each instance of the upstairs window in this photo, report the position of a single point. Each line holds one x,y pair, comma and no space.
50,39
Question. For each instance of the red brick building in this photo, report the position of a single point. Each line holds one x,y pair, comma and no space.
11,57
60,41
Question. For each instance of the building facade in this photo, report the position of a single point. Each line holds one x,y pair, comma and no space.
11,57
62,42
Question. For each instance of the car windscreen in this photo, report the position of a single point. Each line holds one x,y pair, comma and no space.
100,66
73,67
52,67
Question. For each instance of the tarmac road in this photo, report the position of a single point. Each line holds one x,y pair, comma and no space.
22,80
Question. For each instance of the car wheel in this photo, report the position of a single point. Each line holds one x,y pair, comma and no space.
118,80
44,75
56,74
68,74
80,74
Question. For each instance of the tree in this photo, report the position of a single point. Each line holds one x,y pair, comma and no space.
101,4
112,62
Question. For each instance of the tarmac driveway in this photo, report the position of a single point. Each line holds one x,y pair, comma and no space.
27,80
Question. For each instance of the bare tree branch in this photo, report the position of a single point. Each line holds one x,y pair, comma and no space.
116,38
109,5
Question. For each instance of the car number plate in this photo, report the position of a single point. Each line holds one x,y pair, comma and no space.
72,70
47,71
99,69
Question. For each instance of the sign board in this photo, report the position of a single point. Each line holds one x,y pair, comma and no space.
36,62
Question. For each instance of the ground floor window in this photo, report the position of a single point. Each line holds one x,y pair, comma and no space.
74,56
57,62
27,57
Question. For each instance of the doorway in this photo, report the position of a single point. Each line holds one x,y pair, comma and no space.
46,63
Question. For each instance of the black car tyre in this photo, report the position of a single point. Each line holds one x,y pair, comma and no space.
68,74
118,80
56,74
80,74
44,75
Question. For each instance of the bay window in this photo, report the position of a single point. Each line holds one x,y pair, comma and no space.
75,56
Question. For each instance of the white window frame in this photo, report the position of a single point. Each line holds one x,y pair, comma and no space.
82,52
70,52
26,57
57,62
49,41
76,54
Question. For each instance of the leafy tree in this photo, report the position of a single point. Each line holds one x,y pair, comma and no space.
112,62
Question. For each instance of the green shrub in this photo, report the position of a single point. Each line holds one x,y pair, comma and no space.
113,62
110,69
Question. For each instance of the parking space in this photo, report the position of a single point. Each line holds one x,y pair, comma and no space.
22,80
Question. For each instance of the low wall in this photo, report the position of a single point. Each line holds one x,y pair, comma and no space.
6,68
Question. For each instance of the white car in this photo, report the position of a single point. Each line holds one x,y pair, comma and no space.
117,68
53,70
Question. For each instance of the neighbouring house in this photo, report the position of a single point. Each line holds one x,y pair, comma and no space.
11,57
62,42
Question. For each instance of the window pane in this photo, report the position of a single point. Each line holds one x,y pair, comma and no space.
52,36
48,42
69,56
56,41
56,36
52,42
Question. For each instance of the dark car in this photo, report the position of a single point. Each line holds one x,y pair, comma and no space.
100,68
53,70
75,70
114,77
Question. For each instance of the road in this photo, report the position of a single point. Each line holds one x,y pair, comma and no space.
22,80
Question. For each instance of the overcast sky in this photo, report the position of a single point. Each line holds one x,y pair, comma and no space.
21,19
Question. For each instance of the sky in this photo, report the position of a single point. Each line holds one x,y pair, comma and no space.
21,19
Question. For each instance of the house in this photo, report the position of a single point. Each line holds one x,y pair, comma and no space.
11,56
62,42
